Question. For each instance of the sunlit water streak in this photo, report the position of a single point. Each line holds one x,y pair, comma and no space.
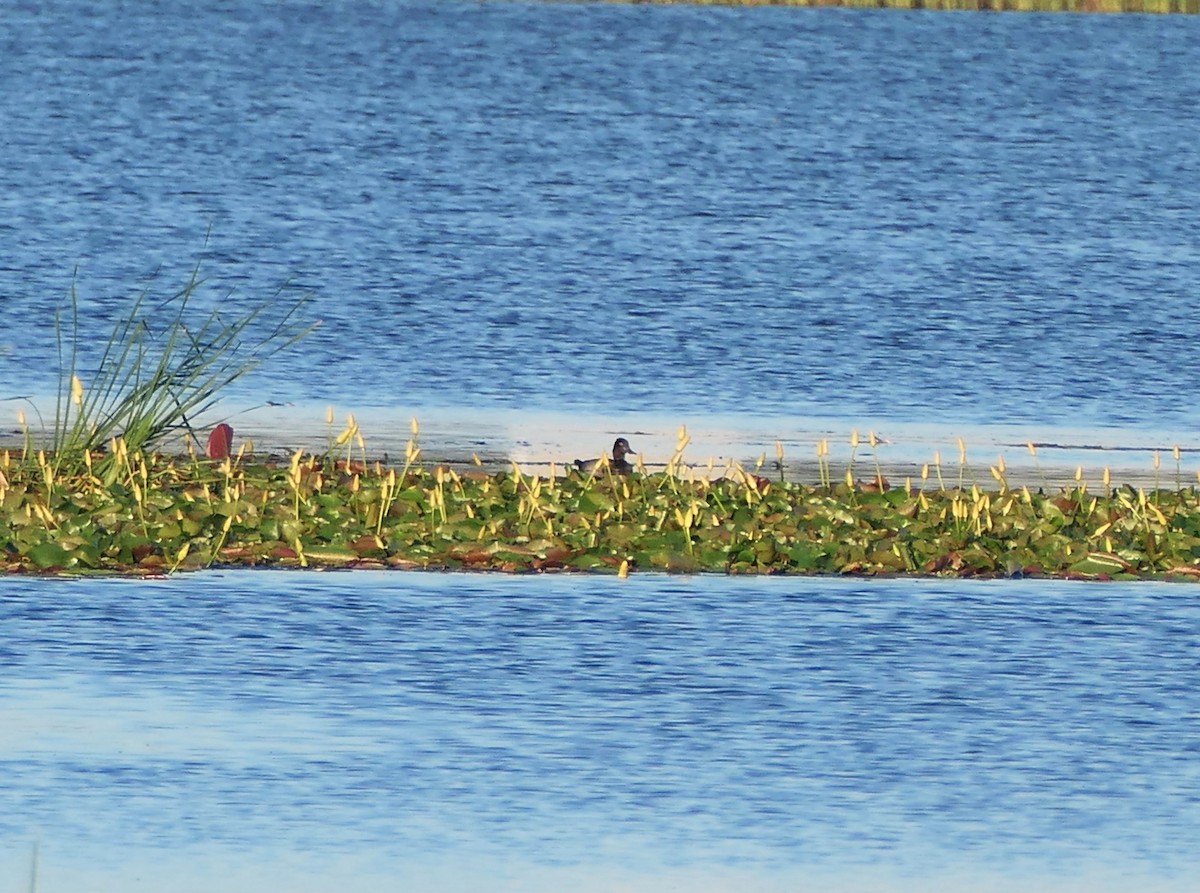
447,728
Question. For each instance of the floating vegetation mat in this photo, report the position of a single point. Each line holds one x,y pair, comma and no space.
131,512
1151,6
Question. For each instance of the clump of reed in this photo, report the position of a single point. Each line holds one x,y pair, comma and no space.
161,367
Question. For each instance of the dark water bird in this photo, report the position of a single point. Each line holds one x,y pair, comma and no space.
617,463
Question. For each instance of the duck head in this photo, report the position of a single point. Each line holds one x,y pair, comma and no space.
621,449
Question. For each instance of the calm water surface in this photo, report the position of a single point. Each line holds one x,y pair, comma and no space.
285,731
610,208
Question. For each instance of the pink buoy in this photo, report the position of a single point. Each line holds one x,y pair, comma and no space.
219,442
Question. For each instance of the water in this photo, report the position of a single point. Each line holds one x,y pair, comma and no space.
591,209
307,728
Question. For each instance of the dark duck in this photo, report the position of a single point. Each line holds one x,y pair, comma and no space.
617,463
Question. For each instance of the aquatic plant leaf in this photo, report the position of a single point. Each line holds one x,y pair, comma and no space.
220,440
595,501
330,554
807,556
49,554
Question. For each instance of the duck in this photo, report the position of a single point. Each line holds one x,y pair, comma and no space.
617,463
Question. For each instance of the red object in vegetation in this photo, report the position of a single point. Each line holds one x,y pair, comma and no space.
219,442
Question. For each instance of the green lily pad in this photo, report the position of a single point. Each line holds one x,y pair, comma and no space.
48,554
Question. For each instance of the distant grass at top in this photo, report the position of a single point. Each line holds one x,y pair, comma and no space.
1152,6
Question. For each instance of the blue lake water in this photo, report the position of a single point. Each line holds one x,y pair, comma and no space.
571,212
295,731
611,208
